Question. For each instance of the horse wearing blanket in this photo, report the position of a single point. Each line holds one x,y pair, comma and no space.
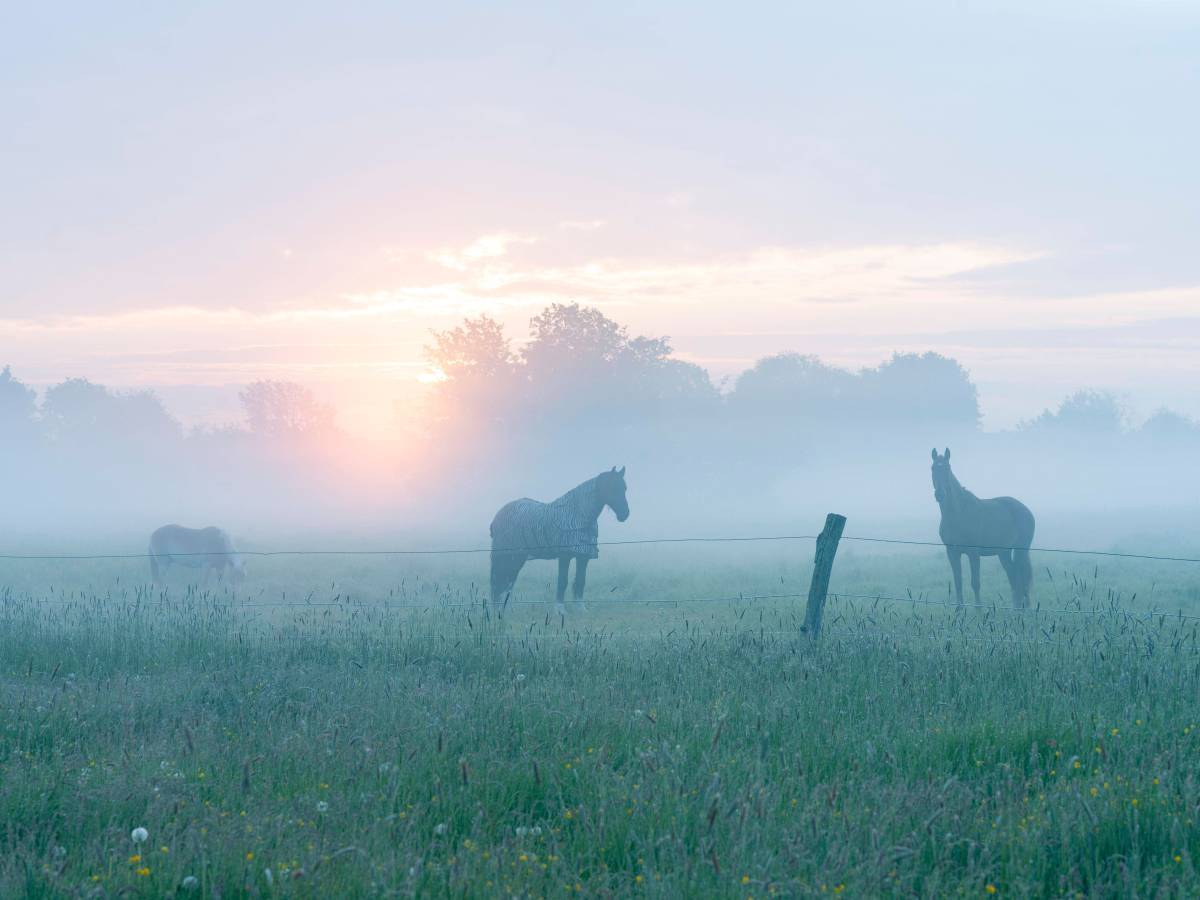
564,529
209,549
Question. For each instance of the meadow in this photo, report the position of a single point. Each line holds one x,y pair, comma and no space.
360,726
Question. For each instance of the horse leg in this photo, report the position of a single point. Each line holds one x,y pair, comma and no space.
955,557
564,568
973,558
1023,567
581,564
1006,562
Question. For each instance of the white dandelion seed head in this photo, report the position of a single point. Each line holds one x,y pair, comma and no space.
140,835
440,828
535,830
322,806
191,883
520,676
522,831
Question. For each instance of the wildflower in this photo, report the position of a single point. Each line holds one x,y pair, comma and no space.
322,806
522,831
135,859
991,889
639,879
144,871
520,676
535,830
139,835
440,828
568,814
1178,858
745,879
164,849
250,856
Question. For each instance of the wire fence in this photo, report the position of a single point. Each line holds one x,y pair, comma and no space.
458,551
479,603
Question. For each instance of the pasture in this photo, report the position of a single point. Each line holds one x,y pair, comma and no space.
357,726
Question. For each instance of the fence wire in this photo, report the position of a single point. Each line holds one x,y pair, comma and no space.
460,551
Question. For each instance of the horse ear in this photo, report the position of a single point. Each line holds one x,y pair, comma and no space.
933,453
947,454
622,472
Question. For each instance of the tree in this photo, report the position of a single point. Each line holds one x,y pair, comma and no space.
18,406
477,349
1166,425
1083,413
78,410
580,364
919,388
284,409
794,387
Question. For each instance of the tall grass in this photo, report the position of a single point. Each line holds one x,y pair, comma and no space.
375,737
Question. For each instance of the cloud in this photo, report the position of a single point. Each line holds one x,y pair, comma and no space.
582,224
483,249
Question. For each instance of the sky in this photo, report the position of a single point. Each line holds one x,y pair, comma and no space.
196,196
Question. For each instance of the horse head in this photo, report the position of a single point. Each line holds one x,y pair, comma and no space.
612,492
942,476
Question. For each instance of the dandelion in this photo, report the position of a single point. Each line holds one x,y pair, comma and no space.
1178,858
991,889
135,859
250,856
322,806
522,831
745,879
144,871
139,835
536,830
440,828
520,676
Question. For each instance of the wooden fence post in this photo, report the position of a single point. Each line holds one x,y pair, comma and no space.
827,544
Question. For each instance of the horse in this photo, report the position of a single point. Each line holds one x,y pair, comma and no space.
564,529
1000,527
208,548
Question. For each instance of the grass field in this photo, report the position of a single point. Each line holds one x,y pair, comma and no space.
357,727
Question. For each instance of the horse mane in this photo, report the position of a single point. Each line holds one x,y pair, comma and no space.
585,488
958,487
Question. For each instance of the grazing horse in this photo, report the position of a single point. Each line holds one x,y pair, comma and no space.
563,529
1000,527
208,548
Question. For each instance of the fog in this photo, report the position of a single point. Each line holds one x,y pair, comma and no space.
89,469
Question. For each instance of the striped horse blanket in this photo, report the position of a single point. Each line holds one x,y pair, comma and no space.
564,527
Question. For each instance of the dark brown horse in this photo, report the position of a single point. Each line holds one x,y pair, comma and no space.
1000,527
